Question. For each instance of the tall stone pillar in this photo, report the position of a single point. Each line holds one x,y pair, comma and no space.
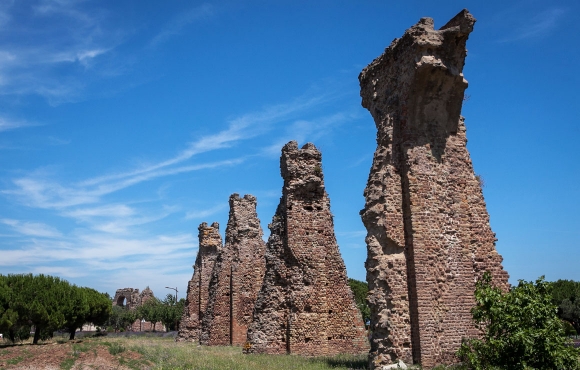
428,232
210,243
237,276
305,305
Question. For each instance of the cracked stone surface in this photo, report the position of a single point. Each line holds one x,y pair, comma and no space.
237,276
210,243
305,305
428,232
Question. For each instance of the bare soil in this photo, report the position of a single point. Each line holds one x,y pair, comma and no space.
73,355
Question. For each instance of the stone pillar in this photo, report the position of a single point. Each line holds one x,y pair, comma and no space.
237,276
210,243
305,305
428,232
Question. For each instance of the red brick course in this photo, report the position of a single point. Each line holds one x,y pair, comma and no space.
305,305
428,232
210,243
237,276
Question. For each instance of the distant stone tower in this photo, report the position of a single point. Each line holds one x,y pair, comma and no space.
210,243
305,305
428,232
237,276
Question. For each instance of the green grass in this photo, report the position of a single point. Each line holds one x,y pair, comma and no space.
68,363
165,353
14,361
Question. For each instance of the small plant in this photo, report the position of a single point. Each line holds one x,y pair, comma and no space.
116,348
68,363
14,361
317,170
480,181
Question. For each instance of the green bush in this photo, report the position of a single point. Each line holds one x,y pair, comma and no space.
520,330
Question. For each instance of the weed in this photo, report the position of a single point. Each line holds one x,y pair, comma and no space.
68,363
116,348
14,361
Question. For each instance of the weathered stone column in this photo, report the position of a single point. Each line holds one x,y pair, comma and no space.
305,305
237,276
210,243
429,237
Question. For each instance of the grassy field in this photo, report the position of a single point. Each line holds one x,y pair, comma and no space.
164,353
145,352
155,352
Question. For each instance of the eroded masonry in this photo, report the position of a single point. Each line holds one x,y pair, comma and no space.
237,276
132,299
210,243
428,232
305,305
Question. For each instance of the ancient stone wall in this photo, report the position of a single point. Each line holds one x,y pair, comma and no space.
127,297
210,243
237,276
428,232
305,305
132,299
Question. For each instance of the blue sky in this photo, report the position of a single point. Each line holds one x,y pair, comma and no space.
125,124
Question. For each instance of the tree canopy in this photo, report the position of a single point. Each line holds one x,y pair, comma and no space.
566,295
520,329
48,303
360,289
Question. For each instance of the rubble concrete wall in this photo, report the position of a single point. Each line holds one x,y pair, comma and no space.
305,305
210,243
237,276
428,232
127,297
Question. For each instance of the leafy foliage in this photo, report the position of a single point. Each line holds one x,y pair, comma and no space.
360,289
167,311
47,303
566,295
520,329
120,318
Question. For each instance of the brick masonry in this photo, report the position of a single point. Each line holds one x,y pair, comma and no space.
210,243
237,276
428,232
305,305
132,299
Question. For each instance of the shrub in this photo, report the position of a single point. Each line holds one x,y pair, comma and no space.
520,330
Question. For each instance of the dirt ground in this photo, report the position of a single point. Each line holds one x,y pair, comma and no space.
69,355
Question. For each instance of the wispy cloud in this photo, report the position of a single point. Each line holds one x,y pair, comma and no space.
110,234
32,228
536,26
9,124
204,213
40,190
307,130
73,35
53,140
181,21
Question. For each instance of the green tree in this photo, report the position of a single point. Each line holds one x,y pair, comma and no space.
100,307
566,295
84,305
8,316
151,310
121,317
171,312
38,300
360,289
520,330
75,309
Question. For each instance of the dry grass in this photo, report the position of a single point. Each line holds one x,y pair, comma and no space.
165,353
